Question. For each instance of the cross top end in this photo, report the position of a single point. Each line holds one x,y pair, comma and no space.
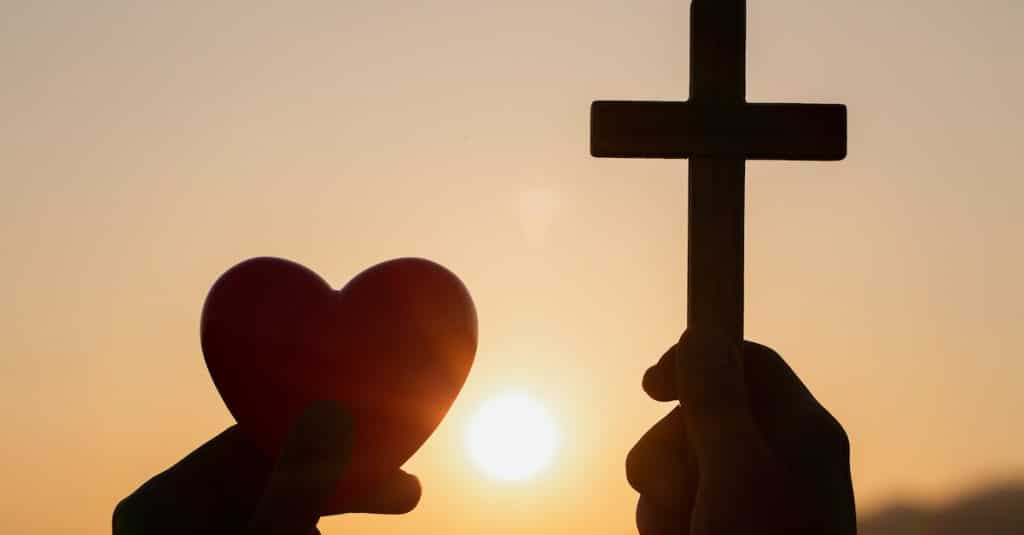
717,122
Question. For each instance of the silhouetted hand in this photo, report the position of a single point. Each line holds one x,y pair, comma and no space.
747,451
228,486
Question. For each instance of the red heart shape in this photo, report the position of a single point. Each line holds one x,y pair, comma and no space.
394,347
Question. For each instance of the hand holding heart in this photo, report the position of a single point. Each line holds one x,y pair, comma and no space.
341,387
228,486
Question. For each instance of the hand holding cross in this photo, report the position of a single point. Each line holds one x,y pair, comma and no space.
748,448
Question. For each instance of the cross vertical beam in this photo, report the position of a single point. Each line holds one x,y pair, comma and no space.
714,277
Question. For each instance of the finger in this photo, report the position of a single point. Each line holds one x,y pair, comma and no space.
768,378
660,380
311,463
794,423
713,394
396,495
653,520
791,420
662,467
771,382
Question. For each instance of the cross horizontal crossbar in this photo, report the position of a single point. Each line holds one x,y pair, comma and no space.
752,131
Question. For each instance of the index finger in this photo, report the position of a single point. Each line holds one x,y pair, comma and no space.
712,392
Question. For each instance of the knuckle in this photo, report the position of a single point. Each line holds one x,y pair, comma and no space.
633,469
843,441
754,350
833,437
121,521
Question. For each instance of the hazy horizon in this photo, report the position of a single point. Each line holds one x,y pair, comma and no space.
149,147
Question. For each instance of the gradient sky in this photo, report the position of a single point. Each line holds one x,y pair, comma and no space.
148,147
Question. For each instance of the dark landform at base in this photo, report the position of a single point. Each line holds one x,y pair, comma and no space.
995,510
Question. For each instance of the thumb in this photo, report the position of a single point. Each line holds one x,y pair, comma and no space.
395,494
712,391
311,462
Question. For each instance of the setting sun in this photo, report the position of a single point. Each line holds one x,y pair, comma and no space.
512,437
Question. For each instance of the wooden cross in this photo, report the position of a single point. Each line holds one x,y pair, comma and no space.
718,131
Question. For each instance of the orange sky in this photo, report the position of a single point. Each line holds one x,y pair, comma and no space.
148,148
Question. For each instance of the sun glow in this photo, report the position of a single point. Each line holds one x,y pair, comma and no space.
512,437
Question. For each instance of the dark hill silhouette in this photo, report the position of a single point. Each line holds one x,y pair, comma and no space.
996,510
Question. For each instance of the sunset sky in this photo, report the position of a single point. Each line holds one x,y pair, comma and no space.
146,147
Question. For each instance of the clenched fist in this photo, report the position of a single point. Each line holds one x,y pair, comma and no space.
748,450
